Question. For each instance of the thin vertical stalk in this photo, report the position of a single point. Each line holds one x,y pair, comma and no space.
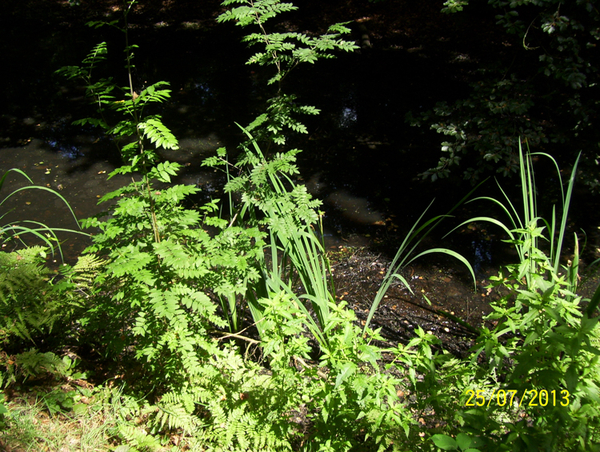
137,120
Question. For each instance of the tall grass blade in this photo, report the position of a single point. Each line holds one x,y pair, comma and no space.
565,213
593,304
42,232
524,223
403,256
14,170
297,258
40,187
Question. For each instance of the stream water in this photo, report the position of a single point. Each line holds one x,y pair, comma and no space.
354,158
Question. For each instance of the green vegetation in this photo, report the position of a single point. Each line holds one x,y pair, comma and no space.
543,91
32,302
225,320
16,231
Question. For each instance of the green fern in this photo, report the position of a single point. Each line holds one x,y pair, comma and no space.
138,439
176,411
158,134
284,52
25,303
33,363
81,276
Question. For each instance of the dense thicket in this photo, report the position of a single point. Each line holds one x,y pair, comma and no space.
543,89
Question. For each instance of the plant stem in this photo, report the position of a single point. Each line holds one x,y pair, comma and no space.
136,118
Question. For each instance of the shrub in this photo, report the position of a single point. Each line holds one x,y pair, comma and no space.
535,381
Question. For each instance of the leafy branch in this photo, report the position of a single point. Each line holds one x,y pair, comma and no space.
284,51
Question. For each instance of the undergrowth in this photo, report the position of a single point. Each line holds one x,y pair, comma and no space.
228,322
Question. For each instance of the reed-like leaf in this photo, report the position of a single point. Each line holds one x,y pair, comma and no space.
594,301
403,257
39,230
523,223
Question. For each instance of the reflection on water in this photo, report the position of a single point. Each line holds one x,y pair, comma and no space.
354,208
70,152
482,252
204,91
59,137
348,116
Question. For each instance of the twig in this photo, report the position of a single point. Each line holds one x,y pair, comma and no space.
237,336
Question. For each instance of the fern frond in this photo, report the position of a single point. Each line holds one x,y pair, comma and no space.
24,305
86,270
139,438
158,133
176,411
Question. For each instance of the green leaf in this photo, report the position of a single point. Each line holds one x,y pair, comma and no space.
444,442
594,302
346,371
80,408
124,448
163,171
463,441
159,134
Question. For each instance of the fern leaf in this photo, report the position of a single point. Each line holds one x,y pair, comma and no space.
159,134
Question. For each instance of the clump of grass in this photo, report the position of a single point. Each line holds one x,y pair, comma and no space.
45,234
29,426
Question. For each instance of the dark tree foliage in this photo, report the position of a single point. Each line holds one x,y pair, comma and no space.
543,91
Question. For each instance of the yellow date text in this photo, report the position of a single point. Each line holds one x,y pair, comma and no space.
512,397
